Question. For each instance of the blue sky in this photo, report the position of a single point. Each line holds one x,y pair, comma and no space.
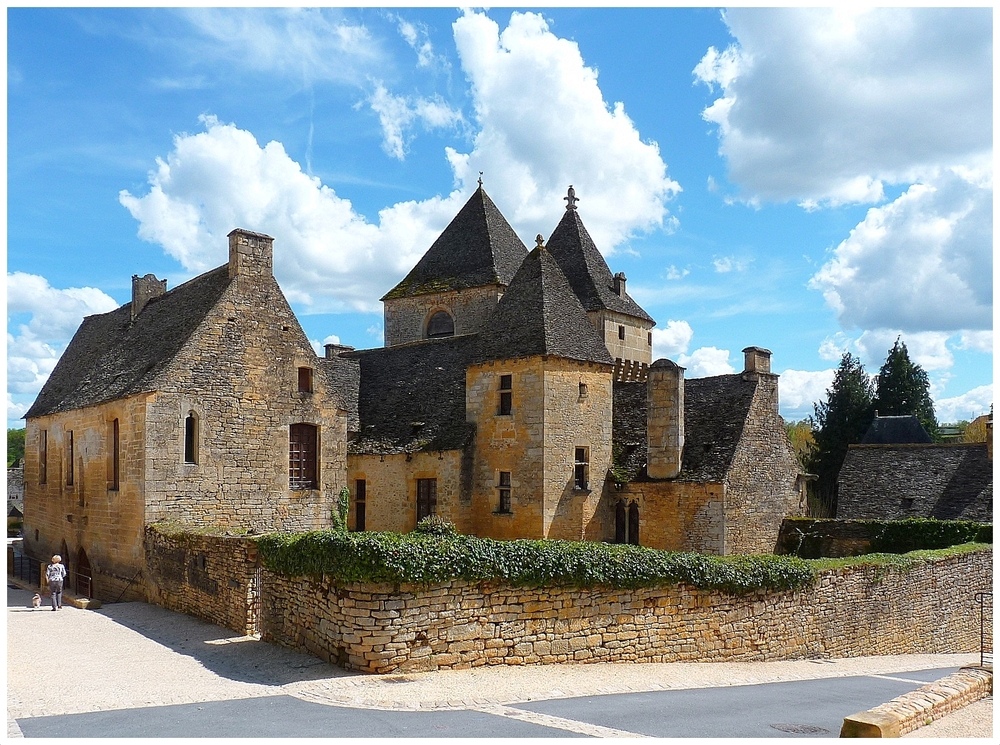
807,180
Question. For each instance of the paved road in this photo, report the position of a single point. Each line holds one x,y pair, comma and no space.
136,670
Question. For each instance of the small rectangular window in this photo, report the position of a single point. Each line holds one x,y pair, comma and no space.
426,498
621,332
649,338
506,395
360,493
305,380
581,470
115,456
191,438
43,456
583,389
503,486
302,450
69,458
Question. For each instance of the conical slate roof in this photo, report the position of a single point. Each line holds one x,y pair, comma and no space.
479,247
586,270
539,314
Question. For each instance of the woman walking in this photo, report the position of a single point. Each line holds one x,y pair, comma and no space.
54,575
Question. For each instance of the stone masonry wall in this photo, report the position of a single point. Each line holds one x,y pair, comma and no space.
762,484
636,345
406,318
209,577
677,515
856,611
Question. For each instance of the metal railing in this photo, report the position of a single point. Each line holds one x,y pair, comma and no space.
26,568
985,600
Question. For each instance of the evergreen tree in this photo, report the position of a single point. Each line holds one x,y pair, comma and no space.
15,446
902,388
839,421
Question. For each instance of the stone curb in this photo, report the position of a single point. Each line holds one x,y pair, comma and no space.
68,597
922,706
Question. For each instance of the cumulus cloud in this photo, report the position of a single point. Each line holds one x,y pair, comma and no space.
967,406
544,124
726,264
41,320
825,106
798,390
922,262
706,362
672,340
415,34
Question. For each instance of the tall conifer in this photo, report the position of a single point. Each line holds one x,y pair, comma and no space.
841,420
902,388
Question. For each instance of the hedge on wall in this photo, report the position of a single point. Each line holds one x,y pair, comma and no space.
806,537
419,558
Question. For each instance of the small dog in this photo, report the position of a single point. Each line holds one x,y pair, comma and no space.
36,601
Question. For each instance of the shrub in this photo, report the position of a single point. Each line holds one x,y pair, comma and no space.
434,525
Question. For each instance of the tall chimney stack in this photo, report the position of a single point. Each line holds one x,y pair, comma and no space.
664,419
250,254
145,289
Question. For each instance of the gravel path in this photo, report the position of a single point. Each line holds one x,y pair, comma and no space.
130,655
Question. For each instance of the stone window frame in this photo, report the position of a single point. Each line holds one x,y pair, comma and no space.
649,338
437,316
505,395
43,456
621,332
581,468
70,454
503,493
192,438
360,496
114,455
426,493
305,379
303,456
627,522
583,390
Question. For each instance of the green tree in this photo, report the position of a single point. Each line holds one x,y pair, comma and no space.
15,446
800,434
902,389
841,420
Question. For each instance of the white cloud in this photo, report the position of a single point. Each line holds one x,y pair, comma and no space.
415,34
824,105
673,273
398,113
307,44
920,263
967,406
706,362
51,316
672,341
979,341
726,264
798,390
327,257
544,124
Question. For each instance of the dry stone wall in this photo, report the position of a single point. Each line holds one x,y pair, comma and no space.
857,611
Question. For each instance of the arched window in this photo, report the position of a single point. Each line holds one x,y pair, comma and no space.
440,324
191,438
633,523
627,523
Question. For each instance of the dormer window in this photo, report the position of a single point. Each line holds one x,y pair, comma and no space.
441,324
305,380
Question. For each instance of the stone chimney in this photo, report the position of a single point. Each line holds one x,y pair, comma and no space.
757,360
334,350
145,289
620,284
664,419
250,254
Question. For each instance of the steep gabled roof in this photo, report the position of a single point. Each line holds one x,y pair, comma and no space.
112,356
540,315
412,396
896,430
479,247
715,411
947,482
343,375
586,270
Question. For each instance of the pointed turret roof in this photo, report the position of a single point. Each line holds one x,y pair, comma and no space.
588,274
539,314
479,247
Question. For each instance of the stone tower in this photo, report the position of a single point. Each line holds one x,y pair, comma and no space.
457,283
625,327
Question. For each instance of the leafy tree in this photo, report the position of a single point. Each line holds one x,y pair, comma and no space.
902,388
800,434
841,420
15,446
